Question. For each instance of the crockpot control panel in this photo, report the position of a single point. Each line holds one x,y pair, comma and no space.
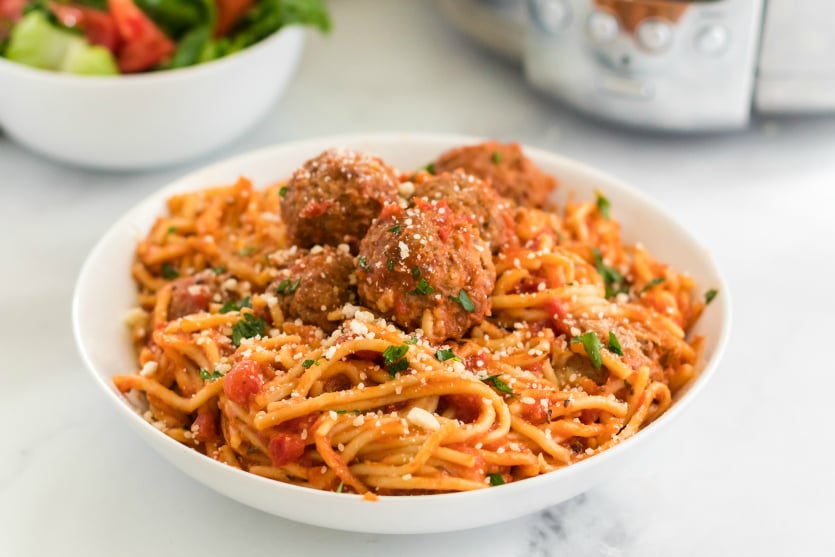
666,64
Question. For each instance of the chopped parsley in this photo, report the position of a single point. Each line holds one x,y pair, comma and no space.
390,264
248,327
246,251
363,264
395,229
603,205
710,295
446,354
614,281
496,479
309,363
614,344
592,345
394,360
282,191
498,384
287,286
430,168
169,272
339,487
463,300
496,157
412,340
232,306
654,282
347,411
172,229
423,287
415,272
206,376
219,270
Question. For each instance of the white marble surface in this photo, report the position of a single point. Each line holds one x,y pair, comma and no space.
748,470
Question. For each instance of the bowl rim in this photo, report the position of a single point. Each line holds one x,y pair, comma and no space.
175,74
721,303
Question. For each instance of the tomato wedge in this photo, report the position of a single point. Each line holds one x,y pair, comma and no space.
228,14
98,26
12,9
144,44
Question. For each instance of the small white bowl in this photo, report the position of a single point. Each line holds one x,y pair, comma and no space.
105,291
130,122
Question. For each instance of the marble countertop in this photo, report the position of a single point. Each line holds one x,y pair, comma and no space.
747,470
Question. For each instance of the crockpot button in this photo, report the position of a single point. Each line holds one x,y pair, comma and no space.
654,35
552,16
712,40
603,27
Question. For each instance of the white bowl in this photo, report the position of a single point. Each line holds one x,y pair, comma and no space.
105,291
139,121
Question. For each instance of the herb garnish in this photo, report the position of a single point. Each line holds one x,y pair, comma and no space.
654,282
592,345
363,264
246,251
710,295
411,340
614,344
282,191
496,157
348,411
614,281
603,205
232,306
220,269
287,286
339,487
415,272
498,384
172,229
395,229
423,287
394,360
430,168
445,354
496,479
206,376
248,327
390,264
169,272
308,363
464,301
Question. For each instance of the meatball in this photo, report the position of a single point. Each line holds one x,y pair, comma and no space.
473,197
333,198
505,166
426,267
316,284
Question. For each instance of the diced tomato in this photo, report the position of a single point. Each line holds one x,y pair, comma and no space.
535,414
145,45
228,14
98,26
12,9
243,381
467,407
205,425
286,448
556,314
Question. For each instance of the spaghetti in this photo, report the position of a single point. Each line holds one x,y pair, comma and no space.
585,345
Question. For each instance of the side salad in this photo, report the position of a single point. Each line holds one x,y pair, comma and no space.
110,37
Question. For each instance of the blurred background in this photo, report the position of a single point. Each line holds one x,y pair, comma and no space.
752,183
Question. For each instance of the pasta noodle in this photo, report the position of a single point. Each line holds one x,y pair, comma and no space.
585,344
